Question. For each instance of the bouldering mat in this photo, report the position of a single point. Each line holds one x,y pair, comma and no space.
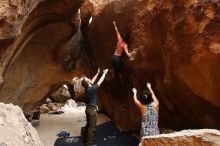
107,134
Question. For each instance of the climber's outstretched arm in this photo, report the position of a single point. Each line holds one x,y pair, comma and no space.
95,77
103,77
117,32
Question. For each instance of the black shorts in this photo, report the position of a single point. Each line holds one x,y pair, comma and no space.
116,62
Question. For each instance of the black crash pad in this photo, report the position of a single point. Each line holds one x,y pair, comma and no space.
107,134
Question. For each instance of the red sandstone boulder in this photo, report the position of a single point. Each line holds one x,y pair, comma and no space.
32,62
179,56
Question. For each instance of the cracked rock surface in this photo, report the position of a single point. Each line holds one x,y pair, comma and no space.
15,129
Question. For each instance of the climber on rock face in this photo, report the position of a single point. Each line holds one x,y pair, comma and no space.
90,93
149,107
122,46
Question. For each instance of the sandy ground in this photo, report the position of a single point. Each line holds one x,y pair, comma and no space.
70,121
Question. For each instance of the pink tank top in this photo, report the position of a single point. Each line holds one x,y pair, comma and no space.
119,48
